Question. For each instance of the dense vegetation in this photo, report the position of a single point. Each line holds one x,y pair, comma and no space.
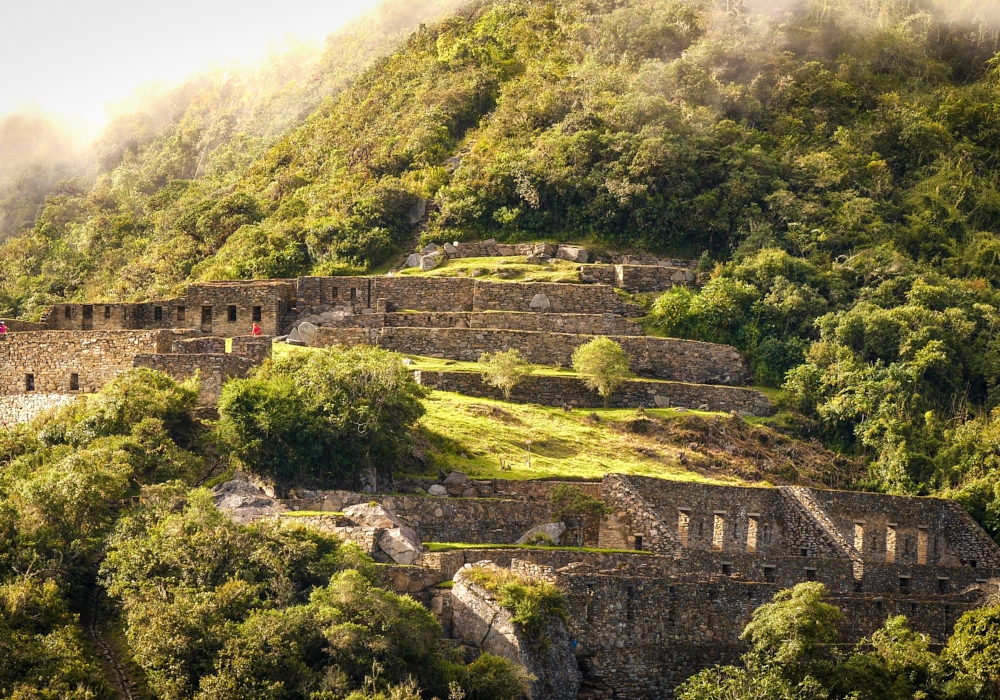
324,416
792,654
209,608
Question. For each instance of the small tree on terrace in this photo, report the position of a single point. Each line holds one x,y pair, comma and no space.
504,370
603,365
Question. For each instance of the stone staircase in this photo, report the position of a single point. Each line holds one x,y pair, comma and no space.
801,499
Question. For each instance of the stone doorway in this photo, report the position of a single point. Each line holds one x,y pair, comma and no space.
206,319
88,318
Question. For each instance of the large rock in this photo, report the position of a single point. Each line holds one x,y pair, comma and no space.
456,479
540,302
307,333
437,490
401,545
429,262
478,620
373,515
413,260
572,253
554,531
431,248
244,502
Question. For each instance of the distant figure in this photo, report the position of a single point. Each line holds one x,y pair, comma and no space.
256,329
3,330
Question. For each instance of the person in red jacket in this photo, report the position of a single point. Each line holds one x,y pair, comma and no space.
3,330
256,329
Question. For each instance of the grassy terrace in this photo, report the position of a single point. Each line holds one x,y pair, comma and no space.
510,268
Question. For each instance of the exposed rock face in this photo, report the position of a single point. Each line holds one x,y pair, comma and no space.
413,260
554,531
479,621
244,502
307,333
572,253
395,538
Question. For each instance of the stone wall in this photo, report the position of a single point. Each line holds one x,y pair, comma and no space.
24,408
476,520
170,313
62,362
571,391
229,309
662,358
593,324
639,278
213,369
16,325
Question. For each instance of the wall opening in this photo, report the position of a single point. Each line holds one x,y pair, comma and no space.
942,586
718,530
68,312
922,536
107,313
74,382
157,313
231,314
354,293
683,527
803,552
890,543
859,536
727,569
770,574
904,584
752,527
180,313
629,602
858,587
638,543
257,314
88,317
810,574
206,319
333,295
29,382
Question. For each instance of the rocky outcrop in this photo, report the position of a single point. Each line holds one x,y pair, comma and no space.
479,621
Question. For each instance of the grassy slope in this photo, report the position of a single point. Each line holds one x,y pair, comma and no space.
500,269
487,439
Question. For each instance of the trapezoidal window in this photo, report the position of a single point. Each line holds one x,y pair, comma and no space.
752,527
231,314
922,537
810,574
68,312
157,313
74,382
770,574
904,584
333,293
859,537
180,313
354,293
257,314
107,313
638,543
890,543
718,530
29,382
683,527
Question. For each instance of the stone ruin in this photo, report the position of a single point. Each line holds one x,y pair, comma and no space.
77,348
665,583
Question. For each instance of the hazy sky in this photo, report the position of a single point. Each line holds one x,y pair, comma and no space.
73,56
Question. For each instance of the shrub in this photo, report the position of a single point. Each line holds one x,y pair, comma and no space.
570,500
603,365
323,415
504,370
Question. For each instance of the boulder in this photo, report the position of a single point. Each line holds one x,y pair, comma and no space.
437,490
373,515
431,248
401,545
661,401
456,479
244,502
540,302
307,333
450,249
413,260
429,262
294,336
552,530
572,253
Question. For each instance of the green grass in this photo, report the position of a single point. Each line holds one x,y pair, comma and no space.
510,268
476,435
311,514
453,546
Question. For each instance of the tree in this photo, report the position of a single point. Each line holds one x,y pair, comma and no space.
504,370
324,415
974,649
603,365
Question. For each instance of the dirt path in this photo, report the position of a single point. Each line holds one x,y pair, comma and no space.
93,628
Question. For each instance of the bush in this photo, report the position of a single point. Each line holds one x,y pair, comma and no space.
325,415
504,370
603,364
531,604
570,500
